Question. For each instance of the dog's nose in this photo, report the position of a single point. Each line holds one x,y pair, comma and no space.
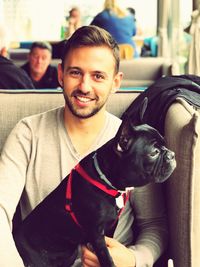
170,155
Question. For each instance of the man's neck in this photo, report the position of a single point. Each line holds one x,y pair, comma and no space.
83,132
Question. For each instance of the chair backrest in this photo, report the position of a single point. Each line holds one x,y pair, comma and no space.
17,104
144,71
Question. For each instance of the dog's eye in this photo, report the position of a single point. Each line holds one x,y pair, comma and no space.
123,144
155,152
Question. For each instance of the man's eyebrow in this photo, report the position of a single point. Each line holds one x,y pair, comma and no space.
73,68
79,69
100,72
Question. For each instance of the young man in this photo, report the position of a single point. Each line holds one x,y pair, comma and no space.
42,149
39,68
11,77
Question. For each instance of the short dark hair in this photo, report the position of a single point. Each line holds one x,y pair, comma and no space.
91,36
42,45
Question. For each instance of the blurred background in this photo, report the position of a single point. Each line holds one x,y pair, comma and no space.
163,24
43,19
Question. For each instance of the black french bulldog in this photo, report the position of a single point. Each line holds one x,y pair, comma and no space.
83,207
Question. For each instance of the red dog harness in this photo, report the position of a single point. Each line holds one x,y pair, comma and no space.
110,191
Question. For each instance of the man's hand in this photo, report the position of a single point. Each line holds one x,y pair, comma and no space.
121,255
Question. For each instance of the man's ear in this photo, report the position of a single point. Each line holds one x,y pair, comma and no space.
117,82
60,75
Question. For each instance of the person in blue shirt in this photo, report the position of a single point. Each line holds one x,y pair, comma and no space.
118,22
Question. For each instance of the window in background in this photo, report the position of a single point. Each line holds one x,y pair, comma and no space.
33,19
42,19
185,12
1,11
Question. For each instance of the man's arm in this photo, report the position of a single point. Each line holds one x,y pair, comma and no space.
13,167
150,222
9,255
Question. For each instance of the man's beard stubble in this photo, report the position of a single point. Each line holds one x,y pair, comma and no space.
76,112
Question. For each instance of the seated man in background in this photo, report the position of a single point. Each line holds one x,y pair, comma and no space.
11,77
38,67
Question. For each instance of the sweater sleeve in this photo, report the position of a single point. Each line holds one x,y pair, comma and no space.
150,224
13,166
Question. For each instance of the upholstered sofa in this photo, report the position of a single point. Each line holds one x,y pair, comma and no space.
144,71
182,129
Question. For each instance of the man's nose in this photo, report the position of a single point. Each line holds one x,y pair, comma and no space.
39,59
85,83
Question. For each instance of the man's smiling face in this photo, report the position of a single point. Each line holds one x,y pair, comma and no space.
87,79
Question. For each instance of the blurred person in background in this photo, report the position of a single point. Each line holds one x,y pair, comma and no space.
38,67
132,11
11,76
118,22
74,20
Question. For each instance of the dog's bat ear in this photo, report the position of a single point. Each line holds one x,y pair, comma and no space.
128,125
124,127
143,108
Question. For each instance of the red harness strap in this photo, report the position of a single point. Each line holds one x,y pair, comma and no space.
68,206
109,191
125,197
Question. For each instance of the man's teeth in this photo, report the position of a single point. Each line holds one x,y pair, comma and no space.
83,99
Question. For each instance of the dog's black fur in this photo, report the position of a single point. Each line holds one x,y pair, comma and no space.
49,237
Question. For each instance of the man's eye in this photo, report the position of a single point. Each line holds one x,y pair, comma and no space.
99,76
35,57
74,73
